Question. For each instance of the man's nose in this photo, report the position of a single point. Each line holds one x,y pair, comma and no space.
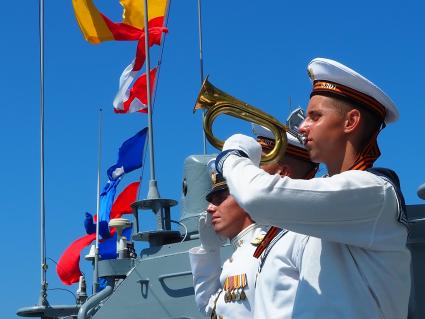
211,208
303,128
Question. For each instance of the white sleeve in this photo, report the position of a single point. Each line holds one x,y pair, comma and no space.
206,269
297,254
354,207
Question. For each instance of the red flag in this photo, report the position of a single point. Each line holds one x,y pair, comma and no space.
124,200
155,33
127,32
68,268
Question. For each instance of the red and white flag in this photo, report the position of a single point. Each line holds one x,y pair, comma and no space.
134,99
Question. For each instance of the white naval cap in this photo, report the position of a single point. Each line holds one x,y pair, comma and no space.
335,78
261,131
267,141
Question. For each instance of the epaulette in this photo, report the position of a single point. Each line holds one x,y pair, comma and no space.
258,239
265,241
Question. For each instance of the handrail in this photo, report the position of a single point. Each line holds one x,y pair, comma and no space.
94,301
176,274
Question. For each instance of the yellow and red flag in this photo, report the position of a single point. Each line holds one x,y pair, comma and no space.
97,28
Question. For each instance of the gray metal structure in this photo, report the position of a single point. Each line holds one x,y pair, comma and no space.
159,283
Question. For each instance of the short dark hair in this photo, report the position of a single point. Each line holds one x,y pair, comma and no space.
370,123
299,167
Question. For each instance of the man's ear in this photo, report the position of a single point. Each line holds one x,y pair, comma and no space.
352,120
283,170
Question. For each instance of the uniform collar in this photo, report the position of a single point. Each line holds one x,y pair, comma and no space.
243,237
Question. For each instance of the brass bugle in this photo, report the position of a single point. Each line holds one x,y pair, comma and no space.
216,102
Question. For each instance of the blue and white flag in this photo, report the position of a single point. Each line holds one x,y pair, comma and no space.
130,155
107,197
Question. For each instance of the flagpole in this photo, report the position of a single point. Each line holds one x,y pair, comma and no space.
153,188
201,61
43,292
99,163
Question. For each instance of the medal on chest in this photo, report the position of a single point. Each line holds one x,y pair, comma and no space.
234,287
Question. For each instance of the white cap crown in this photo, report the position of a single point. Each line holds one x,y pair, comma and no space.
353,85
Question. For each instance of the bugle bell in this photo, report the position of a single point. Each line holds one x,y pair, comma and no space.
216,102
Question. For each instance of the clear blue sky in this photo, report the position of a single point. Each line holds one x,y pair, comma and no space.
255,50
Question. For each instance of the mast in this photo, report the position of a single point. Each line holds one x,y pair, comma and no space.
153,189
99,163
43,291
201,62
159,206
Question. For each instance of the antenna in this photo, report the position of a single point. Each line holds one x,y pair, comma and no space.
43,309
201,62
43,292
99,164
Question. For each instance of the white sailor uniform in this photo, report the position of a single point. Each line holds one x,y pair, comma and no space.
278,275
227,292
355,263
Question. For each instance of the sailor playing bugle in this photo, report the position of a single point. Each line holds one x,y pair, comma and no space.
355,263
